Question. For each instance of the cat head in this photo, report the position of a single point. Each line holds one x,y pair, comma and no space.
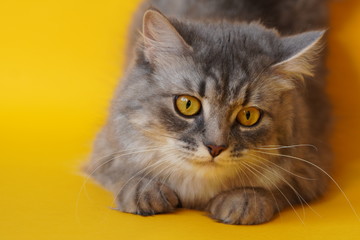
213,92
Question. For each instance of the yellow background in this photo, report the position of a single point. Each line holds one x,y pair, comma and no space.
59,64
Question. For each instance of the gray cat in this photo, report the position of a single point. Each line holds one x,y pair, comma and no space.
222,109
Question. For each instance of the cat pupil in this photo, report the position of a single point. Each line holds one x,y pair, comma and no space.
248,115
188,104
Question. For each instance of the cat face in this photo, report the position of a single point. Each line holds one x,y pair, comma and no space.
212,94
212,116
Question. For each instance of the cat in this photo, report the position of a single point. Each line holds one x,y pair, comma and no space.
222,109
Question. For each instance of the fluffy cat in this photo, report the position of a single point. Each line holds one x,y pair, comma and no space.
222,109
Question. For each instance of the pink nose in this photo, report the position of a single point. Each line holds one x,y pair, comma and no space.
216,150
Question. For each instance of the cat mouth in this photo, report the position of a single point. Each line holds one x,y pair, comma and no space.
208,164
214,161
210,161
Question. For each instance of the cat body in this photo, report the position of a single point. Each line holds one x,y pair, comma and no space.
217,112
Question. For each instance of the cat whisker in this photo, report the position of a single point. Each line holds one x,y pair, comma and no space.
166,179
276,147
142,171
260,159
321,170
249,167
130,151
301,199
296,193
87,178
278,166
272,194
150,180
172,166
113,156
171,173
153,166
249,179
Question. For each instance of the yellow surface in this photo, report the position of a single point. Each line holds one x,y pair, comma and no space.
59,63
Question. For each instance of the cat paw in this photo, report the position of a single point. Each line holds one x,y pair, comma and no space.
243,207
147,198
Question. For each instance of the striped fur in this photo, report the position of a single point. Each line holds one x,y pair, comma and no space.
155,160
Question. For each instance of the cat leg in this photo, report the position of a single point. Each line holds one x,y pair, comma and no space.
245,206
146,197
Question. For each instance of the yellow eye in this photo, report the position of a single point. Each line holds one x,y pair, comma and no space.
188,105
249,116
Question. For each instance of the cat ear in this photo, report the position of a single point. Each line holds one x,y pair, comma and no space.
299,53
161,37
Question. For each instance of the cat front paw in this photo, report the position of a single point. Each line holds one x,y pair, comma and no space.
147,198
246,206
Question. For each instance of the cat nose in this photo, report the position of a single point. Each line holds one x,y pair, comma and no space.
216,150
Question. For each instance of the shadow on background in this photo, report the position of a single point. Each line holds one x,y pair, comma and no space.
343,87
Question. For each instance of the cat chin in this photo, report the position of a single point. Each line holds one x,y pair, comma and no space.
222,161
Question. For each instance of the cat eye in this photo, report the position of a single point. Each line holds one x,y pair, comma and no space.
249,116
187,105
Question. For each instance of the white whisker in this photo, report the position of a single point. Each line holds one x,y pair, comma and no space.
150,181
301,199
323,171
153,166
272,194
274,184
276,147
113,156
305,178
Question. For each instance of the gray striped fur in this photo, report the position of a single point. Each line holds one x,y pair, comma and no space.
229,54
